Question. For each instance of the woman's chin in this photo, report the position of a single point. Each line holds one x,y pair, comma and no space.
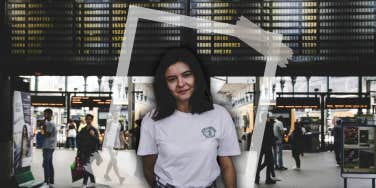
183,99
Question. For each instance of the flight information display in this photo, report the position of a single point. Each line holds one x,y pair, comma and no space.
41,31
76,34
86,33
222,50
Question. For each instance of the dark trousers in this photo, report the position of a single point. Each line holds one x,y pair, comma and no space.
86,177
72,142
48,166
268,163
296,157
337,152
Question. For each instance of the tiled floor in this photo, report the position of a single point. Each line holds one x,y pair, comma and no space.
318,171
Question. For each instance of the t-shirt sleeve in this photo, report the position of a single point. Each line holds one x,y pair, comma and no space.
228,143
147,145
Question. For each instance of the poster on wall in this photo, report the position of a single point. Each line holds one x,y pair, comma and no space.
22,130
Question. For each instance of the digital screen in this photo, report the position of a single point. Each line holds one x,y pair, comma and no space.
101,102
48,101
347,103
74,35
297,102
83,34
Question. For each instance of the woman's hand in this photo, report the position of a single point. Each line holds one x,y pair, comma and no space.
148,162
228,171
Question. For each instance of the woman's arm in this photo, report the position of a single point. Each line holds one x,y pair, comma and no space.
148,162
228,171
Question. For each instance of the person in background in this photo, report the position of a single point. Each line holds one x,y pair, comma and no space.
272,170
135,134
72,133
278,130
114,139
297,146
49,133
123,134
88,145
266,152
81,125
61,136
337,141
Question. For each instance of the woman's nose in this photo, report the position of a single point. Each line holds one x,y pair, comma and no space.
181,82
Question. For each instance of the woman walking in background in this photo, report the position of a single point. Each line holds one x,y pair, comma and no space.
72,133
297,146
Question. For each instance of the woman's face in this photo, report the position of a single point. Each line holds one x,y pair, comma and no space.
180,81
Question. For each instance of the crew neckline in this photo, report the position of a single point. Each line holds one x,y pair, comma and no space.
185,114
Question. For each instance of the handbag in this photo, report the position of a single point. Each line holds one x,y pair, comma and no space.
77,169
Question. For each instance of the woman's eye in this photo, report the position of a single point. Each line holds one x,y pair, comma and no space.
187,74
171,79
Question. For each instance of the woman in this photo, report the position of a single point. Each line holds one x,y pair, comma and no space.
297,144
87,145
72,133
184,136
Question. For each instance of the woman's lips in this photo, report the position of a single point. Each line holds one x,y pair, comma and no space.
183,91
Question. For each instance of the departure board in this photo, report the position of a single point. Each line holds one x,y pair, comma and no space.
82,34
216,49
92,32
41,31
152,39
85,36
347,30
297,21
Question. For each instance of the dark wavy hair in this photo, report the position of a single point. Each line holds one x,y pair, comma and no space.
201,99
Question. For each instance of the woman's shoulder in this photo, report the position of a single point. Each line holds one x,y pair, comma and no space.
219,109
149,116
218,112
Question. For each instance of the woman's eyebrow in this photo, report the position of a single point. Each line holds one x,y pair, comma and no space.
188,71
171,76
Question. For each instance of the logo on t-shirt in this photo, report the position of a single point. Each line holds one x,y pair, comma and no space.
208,132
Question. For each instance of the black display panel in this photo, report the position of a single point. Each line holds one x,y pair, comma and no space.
101,102
48,101
84,36
227,51
298,102
348,103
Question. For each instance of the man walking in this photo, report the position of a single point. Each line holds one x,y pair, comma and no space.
266,152
48,146
88,145
278,130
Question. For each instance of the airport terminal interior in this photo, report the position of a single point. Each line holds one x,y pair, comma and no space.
74,57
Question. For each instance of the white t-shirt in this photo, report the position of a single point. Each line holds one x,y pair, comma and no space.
72,133
188,145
